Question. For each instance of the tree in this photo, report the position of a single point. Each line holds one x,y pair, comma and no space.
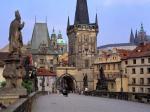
3,84
28,85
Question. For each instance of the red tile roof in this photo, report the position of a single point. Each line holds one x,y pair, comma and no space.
141,51
44,72
123,53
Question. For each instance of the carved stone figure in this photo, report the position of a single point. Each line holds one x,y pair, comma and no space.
15,35
102,81
85,80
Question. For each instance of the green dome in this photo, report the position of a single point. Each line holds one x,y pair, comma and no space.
60,41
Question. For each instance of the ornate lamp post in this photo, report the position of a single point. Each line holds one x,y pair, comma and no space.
121,74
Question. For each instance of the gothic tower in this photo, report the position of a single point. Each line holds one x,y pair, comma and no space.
132,37
82,36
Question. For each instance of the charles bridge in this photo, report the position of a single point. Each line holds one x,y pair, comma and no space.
42,102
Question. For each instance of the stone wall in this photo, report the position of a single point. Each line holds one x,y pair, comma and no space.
1,75
23,104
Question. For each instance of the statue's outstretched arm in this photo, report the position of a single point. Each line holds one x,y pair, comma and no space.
21,26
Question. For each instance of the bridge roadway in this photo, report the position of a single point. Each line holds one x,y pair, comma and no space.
80,103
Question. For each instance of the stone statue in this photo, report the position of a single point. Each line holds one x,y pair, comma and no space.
13,71
102,81
15,35
85,80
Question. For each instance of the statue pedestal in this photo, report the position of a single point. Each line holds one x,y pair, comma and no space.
13,73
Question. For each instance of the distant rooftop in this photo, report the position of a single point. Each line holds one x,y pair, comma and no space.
40,34
116,45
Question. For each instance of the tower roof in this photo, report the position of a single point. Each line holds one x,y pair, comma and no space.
81,15
40,34
142,28
131,37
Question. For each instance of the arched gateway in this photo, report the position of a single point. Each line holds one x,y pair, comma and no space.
66,81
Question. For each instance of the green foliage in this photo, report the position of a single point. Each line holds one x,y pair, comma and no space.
28,85
3,84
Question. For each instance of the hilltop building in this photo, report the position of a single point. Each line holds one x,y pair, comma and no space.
140,36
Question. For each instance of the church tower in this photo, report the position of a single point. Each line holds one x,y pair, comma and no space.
82,36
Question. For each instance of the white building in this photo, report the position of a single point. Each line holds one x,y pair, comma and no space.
46,80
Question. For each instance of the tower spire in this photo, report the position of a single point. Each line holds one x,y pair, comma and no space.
142,28
96,20
68,24
131,37
81,15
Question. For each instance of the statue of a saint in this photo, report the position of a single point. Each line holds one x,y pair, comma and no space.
85,80
15,35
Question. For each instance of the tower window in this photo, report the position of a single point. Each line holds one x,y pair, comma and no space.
141,71
134,61
141,81
148,60
126,62
86,63
133,81
142,61
142,90
148,81
133,89
148,70
133,71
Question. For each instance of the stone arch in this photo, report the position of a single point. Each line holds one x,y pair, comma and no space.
66,81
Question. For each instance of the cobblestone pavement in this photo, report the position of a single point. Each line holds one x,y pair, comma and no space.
79,103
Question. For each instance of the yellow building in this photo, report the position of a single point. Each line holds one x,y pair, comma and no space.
110,60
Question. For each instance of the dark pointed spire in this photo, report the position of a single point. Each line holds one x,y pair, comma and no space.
131,37
68,24
136,37
136,34
96,20
81,15
53,30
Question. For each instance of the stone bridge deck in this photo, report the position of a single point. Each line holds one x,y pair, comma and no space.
79,103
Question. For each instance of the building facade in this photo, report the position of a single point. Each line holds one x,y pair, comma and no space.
139,37
110,61
137,68
44,48
46,80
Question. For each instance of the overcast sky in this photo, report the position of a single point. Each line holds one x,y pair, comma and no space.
116,17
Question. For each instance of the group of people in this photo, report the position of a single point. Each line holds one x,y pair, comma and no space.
2,106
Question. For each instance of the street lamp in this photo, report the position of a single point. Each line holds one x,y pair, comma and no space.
121,76
43,84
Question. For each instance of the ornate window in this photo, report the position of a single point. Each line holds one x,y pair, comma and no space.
86,63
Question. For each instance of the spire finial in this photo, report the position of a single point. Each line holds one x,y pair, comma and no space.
142,28
53,30
136,34
132,37
96,20
68,24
